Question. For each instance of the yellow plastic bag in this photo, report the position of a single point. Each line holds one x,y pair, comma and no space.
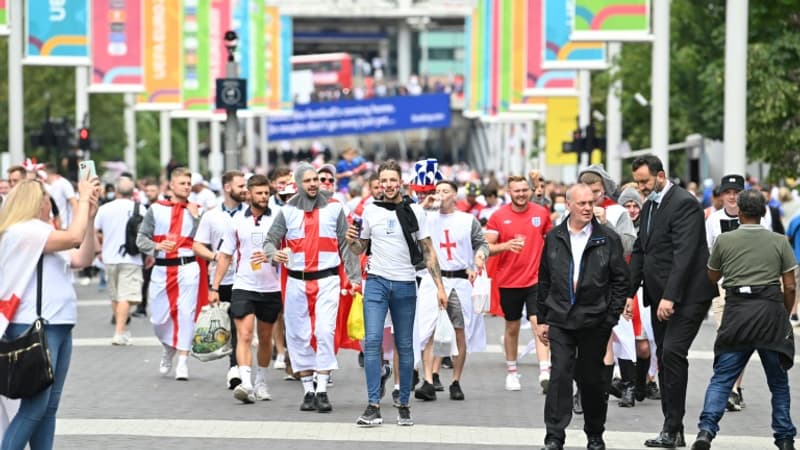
355,320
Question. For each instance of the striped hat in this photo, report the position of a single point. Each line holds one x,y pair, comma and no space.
426,175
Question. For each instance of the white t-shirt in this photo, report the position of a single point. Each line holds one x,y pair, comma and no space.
111,220
248,235
215,227
205,198
389,256
61,191
714,224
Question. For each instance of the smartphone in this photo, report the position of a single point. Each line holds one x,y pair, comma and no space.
87,168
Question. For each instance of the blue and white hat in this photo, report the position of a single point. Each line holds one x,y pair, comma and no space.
426,175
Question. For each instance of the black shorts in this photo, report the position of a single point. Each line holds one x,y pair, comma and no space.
265,305
512,300
225,291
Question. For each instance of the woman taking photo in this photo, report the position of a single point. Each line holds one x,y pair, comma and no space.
26,233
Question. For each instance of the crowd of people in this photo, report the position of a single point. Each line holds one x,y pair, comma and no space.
614,280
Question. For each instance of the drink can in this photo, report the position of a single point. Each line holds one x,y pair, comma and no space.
358,222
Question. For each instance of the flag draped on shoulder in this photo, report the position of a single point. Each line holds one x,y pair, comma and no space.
20,248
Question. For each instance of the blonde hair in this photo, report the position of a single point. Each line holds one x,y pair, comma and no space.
23,203
180,172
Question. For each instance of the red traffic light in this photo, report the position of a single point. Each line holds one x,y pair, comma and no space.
83,133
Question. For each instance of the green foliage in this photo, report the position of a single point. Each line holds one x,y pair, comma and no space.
697,80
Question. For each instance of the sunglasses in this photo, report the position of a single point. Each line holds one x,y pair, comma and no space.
326,180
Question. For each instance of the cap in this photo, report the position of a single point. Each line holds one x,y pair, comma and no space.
330,168
732,182
290,188
197,178
472,189
426,175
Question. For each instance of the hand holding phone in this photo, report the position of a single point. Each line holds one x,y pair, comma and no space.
87,170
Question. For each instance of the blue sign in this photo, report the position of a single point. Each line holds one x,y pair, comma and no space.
57,32
362,116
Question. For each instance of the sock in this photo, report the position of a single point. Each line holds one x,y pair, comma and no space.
244,374
308,383
261,375
183,360
544,366
627,369
511,366
396,387
642,366
322,382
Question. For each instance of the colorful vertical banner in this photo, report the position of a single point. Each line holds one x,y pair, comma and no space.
3,18
540,82
241,24
559,51
162,31
257,80
57,33
559,125
287,37
611,20
272,51
196,80
117,47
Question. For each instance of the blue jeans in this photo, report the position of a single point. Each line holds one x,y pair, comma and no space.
727,368
400,298
35,422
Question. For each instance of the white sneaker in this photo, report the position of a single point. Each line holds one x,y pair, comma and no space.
166,360
182,372
121,339
280,363
243,394
512,382
261,393
233,380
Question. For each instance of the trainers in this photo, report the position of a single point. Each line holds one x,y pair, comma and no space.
741,397
321,402
182,372
387,371
371,417
437,384
279,365
309,402
415,379
653,393
166,360
512,382
425,392
404,416
455,391
616,387
794,320
734,402
121,339
232,379
396,398
261,392
447,363
544,380
330,379
577,404
244,394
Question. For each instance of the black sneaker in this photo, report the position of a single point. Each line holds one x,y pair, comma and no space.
139,312
616,387
404,416
653,393
396,398
387,371
741,397
437,384
309,402
371,417
321,402
415,379
447,363
455,391
425,392
734,402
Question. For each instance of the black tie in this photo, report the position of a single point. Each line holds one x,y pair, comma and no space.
653,207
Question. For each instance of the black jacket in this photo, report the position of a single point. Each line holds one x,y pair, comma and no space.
602,283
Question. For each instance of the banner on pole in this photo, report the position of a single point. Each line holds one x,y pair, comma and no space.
611,20
162,31
3,18
287,48
540,82
57,33
117,47
559,51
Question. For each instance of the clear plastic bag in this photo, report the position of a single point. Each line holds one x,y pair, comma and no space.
444,338
481,293
212,333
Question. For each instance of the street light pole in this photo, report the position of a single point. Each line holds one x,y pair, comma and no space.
231,120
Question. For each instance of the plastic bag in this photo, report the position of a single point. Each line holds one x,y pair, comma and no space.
212,333
481,293
355,320
444,338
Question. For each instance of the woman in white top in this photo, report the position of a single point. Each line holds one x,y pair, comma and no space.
26,233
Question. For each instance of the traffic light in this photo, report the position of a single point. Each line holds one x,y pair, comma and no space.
84,141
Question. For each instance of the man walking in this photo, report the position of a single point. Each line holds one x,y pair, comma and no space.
124,271
395,232
583,284
669,256
313,230
176,294
754,262
212,233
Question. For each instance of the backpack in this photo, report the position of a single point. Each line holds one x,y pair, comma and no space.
131,230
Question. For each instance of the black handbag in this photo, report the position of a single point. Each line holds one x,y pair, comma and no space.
25,365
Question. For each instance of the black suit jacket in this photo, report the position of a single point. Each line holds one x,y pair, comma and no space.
670,254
